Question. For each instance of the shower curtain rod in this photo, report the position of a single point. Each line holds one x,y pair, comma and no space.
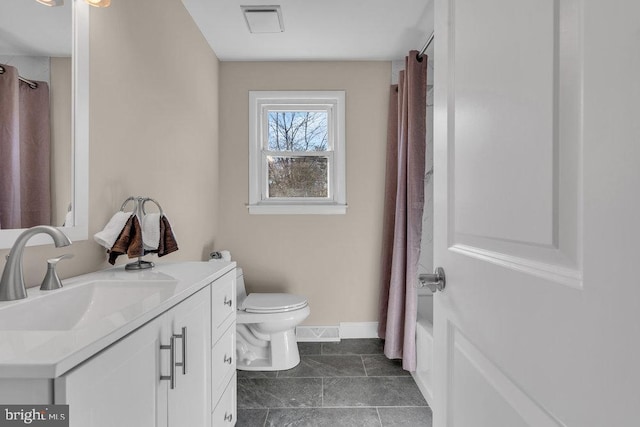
426,46
32,84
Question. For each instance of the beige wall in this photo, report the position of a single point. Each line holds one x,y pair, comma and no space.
153,128
332,259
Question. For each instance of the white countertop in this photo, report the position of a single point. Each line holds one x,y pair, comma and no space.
51,353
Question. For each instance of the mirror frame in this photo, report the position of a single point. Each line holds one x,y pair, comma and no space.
80,135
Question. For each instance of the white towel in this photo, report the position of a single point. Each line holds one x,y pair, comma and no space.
68,219
112,230
151,231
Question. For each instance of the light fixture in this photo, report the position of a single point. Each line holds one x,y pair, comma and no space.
263,19
98,3
51,2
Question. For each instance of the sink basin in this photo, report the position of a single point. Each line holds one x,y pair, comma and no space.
86,304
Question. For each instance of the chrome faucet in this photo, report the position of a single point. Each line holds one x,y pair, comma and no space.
12,282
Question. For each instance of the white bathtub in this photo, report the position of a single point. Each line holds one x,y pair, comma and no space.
424,346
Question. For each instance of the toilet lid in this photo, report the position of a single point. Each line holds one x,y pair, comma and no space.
273,303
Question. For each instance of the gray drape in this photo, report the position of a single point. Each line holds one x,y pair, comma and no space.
404,203
25,145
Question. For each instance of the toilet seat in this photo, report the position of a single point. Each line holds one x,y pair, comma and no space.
272,303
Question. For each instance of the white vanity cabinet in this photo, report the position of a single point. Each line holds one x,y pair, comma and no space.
122,385
136,349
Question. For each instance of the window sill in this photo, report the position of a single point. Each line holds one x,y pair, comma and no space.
310,209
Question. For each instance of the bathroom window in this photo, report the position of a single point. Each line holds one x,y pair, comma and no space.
297,152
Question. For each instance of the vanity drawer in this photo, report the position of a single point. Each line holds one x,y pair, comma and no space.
223,303
225,412
223,362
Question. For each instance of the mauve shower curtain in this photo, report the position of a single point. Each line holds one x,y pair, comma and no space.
9,149
25,145
404,203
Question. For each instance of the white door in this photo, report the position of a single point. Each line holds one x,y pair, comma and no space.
537,213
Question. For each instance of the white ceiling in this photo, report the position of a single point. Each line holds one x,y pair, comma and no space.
29,28
317,29
314,29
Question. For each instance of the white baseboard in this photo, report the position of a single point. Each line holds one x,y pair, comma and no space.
346,330
317,334
358,330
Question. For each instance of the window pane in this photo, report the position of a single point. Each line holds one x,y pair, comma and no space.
298,176
298,131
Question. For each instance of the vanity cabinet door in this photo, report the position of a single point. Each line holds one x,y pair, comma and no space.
120,386
190,399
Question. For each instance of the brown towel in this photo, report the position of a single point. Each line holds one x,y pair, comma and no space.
128,242
168,242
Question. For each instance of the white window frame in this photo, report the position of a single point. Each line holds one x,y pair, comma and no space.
260,103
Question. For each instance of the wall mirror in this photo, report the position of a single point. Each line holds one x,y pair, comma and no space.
50,44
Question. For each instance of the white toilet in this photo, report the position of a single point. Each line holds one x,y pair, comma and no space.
265,326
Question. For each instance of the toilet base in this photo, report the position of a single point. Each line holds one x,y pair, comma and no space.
278,354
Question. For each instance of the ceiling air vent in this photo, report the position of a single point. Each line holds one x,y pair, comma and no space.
263,19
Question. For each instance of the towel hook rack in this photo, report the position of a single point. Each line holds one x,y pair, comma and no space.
140,212
149,199
124,204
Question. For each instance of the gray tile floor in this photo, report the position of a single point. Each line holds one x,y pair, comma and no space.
345,384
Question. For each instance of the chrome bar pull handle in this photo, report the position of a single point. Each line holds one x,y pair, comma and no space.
435,282
183,337
172,368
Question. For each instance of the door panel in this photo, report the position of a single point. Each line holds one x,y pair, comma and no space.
535,158
492,107
496,397
515,110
